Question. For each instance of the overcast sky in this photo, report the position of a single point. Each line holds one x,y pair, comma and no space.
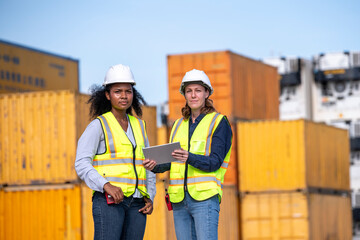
142,33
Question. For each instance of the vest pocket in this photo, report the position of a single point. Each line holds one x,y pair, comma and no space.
198,146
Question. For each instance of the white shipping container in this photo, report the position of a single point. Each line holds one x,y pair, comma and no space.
336,93
295,87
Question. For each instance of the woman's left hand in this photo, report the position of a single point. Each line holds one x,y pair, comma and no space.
180,154
148,206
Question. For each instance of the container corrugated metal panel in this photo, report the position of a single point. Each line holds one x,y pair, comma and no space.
243,88
86,213
163,135
149,116
160,224
295,215
41,212
229,219
290,155
163,138
231,176
23,69
39,132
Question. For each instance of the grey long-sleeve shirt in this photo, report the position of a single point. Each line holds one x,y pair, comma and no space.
92,142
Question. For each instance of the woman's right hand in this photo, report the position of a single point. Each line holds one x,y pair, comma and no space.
115,192
149,164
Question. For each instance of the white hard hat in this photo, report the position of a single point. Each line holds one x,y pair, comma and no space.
119,74
196,76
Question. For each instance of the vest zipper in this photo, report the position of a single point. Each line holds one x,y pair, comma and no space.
186,167
137,179
134,165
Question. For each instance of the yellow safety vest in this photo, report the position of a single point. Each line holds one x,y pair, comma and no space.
121,164
200,185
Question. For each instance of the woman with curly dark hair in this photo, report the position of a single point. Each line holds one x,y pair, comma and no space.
109,158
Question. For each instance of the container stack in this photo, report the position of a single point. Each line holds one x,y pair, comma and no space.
40,195
39,133
294,180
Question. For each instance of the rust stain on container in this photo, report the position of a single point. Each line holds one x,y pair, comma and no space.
295,215
290,155
40,212
243,88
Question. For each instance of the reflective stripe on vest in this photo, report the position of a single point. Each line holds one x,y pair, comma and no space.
201,185
117,163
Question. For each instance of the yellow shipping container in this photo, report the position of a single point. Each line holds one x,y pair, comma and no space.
229,219
86,214
291,155
149,116
39,132
40,212
24,69
295,215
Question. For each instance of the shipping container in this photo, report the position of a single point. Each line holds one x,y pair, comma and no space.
39,132
336,92
229,219
40,212
87,222
163,133
291,155
149,116
160,224
296,83
243,88
231,175
24,69
295,215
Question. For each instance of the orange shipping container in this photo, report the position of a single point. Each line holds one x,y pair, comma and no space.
40,212
295,215
291,155
39,132
24,69
243,88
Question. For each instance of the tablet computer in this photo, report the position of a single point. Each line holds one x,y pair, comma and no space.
161,153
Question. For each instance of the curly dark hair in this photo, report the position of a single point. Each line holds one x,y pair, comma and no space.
99,104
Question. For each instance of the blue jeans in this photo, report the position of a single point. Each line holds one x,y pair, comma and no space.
118,221
196,219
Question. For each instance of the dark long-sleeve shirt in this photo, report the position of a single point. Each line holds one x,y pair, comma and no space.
220,145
